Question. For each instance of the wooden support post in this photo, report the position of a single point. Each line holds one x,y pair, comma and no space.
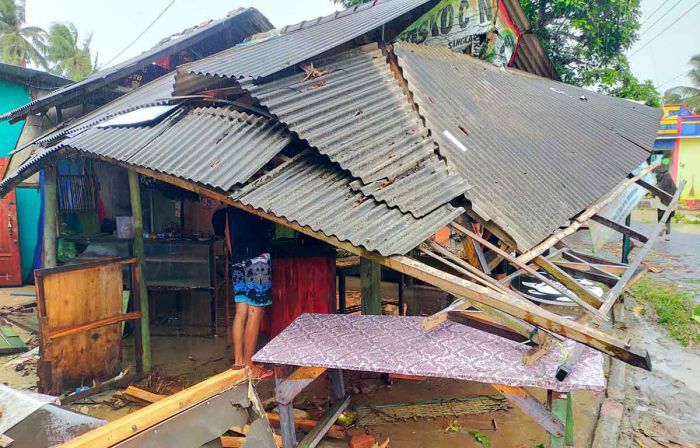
337,384
562,408
287,389
370,279
137,216
624,229
613,293
626,242
50,217
401,295
342,293
522,399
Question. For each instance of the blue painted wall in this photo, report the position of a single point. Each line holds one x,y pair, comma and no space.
28,199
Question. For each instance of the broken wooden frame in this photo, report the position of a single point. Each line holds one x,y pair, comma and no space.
289,383
225,400
55,338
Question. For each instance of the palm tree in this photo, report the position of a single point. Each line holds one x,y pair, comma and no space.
690,95
20,44
69,58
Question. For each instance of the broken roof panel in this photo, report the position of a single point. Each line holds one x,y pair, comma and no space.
315,193
33,78
534,157
355,112
236,26
296,43
223,148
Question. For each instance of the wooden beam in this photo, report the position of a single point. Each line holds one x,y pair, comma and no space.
524,266
466,268
73,329
573,255
524,401
583,217
586,299
476,320
290,386
50,217
594,267
562,408
449,283
370,284
473,250
625,230
315,436
584,270
306,425
613,293
137,216
129,425
664,196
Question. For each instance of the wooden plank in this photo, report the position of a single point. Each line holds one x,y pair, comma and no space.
139,252
476,320
562,408
127,426
141,396
472,250
447,282
620,228
10,342
610,269
593,266
613,293
370,280
522,399
586,271
664,196
514,261
583,217
584,298
288,388
306,425
81,328
573,255
461,266
315,436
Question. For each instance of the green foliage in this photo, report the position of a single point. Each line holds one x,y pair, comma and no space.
20,44
58,51
482,439
349,3
690,95
674,309
69,58
586,42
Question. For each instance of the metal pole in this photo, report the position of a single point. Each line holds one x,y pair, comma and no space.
50,216
626,242
137,216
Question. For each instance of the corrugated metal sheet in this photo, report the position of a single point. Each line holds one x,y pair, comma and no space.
237,26
535,157
313,192
358,116
296,43
32,78
220,147
213,146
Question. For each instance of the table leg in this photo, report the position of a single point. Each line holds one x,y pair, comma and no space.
562,408
337,384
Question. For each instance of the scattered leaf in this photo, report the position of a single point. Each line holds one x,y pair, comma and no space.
482,439
639,310
453,426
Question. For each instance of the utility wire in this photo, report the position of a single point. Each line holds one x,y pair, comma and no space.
652,14
672,79
665,29
659,19
172,2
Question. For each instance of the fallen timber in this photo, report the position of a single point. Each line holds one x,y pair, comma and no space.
447,282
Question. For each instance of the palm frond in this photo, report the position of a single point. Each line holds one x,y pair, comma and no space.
684,91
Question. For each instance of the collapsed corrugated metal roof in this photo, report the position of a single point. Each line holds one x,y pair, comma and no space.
534,156
233,29
222,148
315,193
355,112
292,44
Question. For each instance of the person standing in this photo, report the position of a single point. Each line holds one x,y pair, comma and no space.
665,183
249,238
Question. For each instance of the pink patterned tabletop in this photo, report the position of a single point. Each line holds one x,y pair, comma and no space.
393,344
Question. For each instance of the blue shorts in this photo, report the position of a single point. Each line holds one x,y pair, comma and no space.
252,282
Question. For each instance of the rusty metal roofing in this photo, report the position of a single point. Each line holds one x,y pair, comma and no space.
534,153
222,148
313,192
296,43
359,117
237,26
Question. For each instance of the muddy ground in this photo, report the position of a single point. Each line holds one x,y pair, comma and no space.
662,403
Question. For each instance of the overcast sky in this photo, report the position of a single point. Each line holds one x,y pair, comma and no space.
115,24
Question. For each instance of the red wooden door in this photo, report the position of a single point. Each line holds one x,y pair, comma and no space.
10,264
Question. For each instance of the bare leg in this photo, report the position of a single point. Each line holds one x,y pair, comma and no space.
252,328
239,325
